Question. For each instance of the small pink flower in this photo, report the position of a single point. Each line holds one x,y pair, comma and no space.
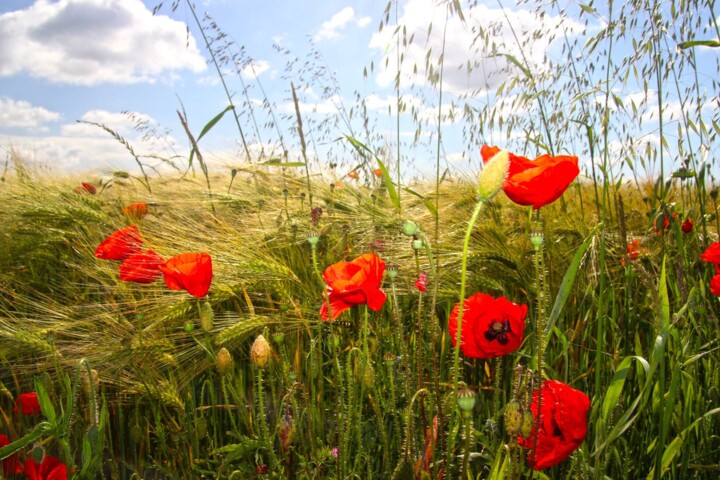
335,452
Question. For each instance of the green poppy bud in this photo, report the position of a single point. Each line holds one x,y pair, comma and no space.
513,418
527,424
206,316
466,400
224,361
493,175
410,228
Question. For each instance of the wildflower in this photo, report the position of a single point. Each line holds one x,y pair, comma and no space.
711,254
315,215
378,172
88,188
120,244
335,452
715,285
633,251
354,283
141,267
539,182
687,226
27,403
491,326
136,210
354,175
663,218
562,426
262,469
421,282
49,469
260,352
189,271
11,465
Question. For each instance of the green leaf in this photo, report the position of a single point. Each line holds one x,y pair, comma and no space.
40,429
698,43
568,281
664,300
612,395
276,162
428,203
207,128
46,405
389,184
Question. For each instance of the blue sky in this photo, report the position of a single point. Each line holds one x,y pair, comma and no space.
91,60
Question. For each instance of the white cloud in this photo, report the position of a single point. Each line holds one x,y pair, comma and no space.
331,28
255,68
89,42
22,114
424,20
118,122
329,106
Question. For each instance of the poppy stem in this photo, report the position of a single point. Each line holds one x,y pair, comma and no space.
537,239
458,336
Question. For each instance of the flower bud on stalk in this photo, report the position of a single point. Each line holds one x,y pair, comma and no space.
493,175
224,361
260,352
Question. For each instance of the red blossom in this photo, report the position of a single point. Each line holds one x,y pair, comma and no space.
563,424
49,469
141,267
491,327
136,210
377,172
354,175
711,254
421,282
715,284
11,465
536,182
120,244
354,283
89,188
687,226
189,271
27,403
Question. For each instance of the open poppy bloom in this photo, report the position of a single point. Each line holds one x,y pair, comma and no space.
27,403
491,327
563,427
536,182
354,283
11,465
49,469
136,210
711,254
141,267
715,285
120,244
189,271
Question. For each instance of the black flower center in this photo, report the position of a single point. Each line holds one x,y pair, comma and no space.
498,330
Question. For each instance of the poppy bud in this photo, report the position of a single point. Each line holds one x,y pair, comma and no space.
189,326
417,244
466,400
278,337
410,228
260,352
206,316
224,361
389,358
527,424
514,418
687,226
493,175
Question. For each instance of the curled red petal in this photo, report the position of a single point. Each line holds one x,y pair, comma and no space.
120,244
141,267
191,272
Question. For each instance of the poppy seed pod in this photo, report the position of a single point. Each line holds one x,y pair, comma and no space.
493,175
466,400
224,361
206,316
260,352
514,418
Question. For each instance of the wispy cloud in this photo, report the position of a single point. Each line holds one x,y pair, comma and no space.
331,28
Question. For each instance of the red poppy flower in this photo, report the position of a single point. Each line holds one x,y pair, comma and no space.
11,465
491,326
136,210
141,267
711,254
563,427
715,284
27,403
89,188
354,283
189,271
421,282
377,172
537,182
49,469
687,226
120,244
354,175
